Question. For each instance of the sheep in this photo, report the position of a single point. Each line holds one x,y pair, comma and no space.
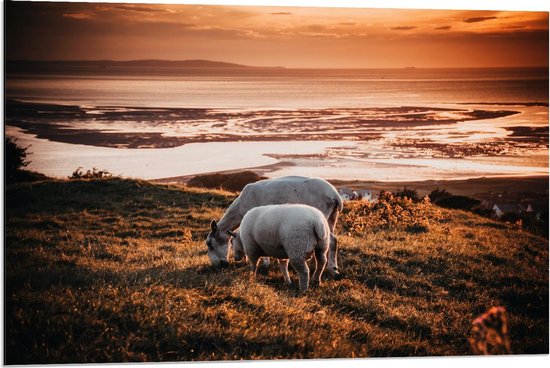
288,232
314,192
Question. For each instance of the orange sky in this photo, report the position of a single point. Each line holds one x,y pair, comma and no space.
277,36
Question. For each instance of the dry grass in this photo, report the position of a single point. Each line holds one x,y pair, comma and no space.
116,270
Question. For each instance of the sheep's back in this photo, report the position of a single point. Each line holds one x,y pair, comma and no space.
314,192
289,225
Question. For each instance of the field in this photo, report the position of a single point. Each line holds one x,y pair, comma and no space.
116,270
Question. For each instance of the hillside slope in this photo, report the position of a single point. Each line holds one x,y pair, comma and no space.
116,270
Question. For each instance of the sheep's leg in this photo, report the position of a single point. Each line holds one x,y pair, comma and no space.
332,219
320,263
303,273
253,259
332,266
283,266
263,267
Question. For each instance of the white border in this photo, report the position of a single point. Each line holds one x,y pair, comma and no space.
520,5
448,362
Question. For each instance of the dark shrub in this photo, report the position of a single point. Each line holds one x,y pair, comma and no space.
445,199
438,194
529,221
407,193
15,159
458,202
231,182
485,212
90,174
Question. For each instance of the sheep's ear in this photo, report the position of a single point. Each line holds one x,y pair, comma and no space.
214,225
232,233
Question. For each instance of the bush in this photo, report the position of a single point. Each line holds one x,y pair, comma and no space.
528,221
445,199
408,193
485,212
389,212
458,202
438,194
15,159
90,174
230,182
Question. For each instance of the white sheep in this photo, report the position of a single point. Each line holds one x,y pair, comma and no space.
289,232
314,192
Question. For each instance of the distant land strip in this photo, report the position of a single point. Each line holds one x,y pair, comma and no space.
196,63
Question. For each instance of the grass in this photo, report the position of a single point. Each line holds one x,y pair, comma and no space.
116,270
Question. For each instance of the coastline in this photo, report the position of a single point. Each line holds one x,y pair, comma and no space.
162,127
386,145
478,187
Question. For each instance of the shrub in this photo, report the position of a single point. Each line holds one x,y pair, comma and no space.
90,174
485,212
231,182
445,199
439,194
389,212
15,159
458,202
408,193
528,221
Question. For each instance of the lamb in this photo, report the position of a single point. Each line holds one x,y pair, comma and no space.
289,232
314,192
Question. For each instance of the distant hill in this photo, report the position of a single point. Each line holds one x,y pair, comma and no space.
47,64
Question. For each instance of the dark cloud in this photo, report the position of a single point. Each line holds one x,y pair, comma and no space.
403,28
347,24
478,19
138,8
443,28
281,13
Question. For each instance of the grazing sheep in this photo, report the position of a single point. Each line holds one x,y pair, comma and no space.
314,192
290,232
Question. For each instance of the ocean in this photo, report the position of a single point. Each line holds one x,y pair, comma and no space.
384,124
280,88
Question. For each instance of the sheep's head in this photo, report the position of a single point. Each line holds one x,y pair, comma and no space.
237,246
218,245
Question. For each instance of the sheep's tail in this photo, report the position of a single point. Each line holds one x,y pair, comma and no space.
321,232
333,217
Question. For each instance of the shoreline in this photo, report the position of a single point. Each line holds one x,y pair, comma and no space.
150,128
364,144
479,187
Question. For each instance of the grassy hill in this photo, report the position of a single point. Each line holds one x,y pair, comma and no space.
116,270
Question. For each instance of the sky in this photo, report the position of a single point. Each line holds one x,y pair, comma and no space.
294,37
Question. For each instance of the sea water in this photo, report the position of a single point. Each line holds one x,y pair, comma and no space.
300,90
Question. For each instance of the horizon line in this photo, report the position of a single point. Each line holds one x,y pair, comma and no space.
236,65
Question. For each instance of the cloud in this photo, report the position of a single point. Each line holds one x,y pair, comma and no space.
138,8
443,28
403,28
478,19
81,15
281,13
347,24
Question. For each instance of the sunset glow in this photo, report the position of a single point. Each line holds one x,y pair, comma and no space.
277,36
